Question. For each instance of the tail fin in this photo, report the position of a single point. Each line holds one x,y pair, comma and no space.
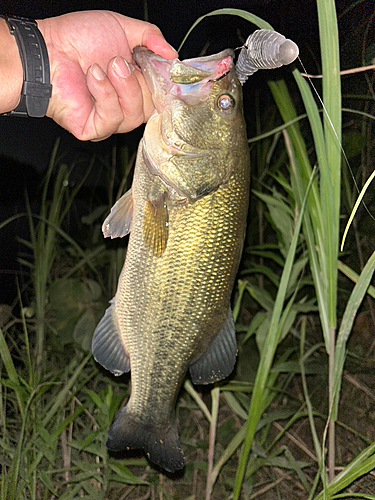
160,444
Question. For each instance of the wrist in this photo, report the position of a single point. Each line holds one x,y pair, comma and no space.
11,72
36,87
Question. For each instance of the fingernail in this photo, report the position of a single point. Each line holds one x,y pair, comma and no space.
160,46
97,72
122,67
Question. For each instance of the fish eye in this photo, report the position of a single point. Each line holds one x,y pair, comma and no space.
225,103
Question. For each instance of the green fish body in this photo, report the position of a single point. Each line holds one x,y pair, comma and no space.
186,214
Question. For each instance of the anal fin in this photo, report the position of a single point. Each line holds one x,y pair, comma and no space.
219,359
118,223
107,346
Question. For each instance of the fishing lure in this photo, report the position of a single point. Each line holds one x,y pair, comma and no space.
264,49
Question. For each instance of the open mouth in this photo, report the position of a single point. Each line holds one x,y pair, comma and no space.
190,80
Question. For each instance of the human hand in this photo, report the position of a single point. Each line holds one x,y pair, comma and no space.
95,92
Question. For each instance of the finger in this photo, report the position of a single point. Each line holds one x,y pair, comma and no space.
143,33
157,44
106,114
133,94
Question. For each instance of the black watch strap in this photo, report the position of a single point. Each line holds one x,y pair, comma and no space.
36,89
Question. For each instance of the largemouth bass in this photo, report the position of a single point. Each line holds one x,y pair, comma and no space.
186,214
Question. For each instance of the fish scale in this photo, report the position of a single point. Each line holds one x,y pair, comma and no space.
171,311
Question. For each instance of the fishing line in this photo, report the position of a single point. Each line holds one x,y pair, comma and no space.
336,135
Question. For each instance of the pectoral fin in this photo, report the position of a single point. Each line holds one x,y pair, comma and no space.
118,223
219,359
155,225
107,345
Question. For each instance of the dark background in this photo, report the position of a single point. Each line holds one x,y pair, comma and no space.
26,144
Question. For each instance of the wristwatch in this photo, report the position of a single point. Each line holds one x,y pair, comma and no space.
36,89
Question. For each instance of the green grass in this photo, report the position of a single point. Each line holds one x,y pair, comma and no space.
279,426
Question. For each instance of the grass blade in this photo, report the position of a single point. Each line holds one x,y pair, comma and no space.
355,300
265,364
355,208
11,371
252,18
215,395
65,391
362,464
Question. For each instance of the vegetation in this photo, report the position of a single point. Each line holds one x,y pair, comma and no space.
296,419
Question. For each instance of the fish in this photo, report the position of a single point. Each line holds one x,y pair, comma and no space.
186,214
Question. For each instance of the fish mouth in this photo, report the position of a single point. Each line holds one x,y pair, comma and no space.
189,80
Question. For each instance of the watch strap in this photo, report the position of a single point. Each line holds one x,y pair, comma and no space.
36,89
